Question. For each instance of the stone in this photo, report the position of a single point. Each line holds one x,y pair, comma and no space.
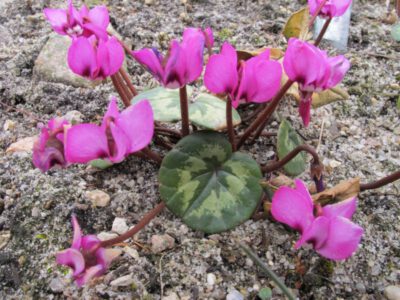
4,3
234,295
149,2
9,125
123,281
24,145
211,278
119,226
98,198
5,237
131,252
392,292
35,212
51,64
74,117
103,236
56,285
172,296
160,243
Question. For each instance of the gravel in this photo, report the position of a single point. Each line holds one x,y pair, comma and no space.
360,137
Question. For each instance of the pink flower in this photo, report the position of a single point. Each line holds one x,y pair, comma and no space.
313,70
331,232
48,149
120,134
86,257
332,8
76,23
184,61
95,59
255,80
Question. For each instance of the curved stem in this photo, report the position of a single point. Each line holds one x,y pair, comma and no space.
128,82
168,131
229,123
265,113
292,154
142,223
116,80
152,155
184,110
254,257
322,32
381,182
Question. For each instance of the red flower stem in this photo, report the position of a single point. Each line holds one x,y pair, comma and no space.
254,113
265,114
229,123
168,131
160,141
322,32
142,223
119,88
184,110
292,154
321,5
124,86
381,182
152,155
128,82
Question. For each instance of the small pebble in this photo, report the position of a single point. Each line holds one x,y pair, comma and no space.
35,212
131,252
74,117
5,236
119,226
211,278
160,243
98,198
234,295
123,281
56,285
172,296
392,292
9,125
103,236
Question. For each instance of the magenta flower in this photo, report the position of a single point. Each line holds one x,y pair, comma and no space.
332,8
48,149
313,70
76,23
255,80
331,232
86,257
184,61
95,59
120,134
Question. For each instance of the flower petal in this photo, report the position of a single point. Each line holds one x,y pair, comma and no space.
99,17
71,258
151,59
58,19
305,109
343,209
110,57
221,74
120,144
344,237
77,239
89,242
112,113
82,57
175,68
339,65
293,207
85,142
137,123
192,48
317,233
89,273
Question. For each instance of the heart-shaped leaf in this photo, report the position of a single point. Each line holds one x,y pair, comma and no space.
297,25
100,163
288,139
208,186
205,110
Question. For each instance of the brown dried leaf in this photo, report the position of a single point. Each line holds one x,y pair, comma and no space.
342,191
275,53
23,145
297,25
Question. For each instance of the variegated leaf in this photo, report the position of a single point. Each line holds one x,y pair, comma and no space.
208,186
205,110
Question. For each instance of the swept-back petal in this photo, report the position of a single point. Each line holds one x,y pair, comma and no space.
192,48
82,57
343,239
110,57
112,112
77,239
221,74
58,19
119,145
151,59
71,258
209,35
339,65
85,142
293,207
137,123
89,273
176,67
343,209
340,7
99,16
317,233
89,242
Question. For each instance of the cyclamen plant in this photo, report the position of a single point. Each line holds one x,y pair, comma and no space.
204,179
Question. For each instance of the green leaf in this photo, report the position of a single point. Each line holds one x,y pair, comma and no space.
41,236
100,164
396,32
205,110
398,103
265,294
208,186
297,25
288,139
